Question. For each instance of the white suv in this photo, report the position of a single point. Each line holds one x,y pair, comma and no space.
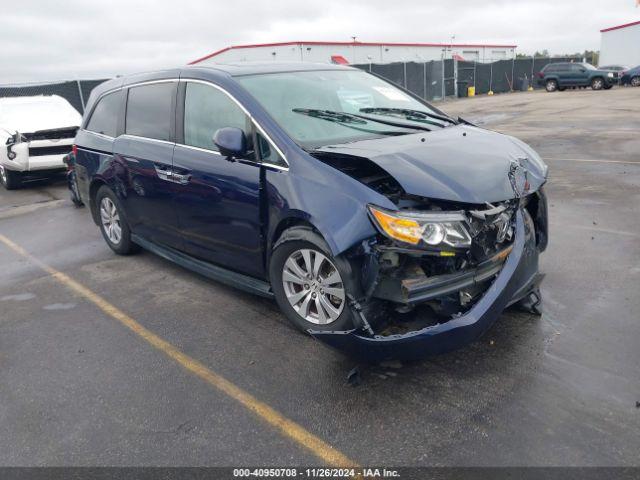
35,134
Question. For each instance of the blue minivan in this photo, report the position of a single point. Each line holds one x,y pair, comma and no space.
380,225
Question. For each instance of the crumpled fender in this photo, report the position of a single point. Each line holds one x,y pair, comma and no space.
518,275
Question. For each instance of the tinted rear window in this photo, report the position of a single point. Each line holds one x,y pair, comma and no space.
104,118
150,110
556,67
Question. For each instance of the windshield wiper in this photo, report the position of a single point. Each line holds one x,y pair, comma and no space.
330,115
409,114
344,117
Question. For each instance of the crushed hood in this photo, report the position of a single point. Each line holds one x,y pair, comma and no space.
37,113
460,163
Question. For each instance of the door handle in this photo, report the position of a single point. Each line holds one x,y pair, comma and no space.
171,176
182,179
163,174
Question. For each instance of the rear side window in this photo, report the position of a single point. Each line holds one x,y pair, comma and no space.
104,118
556,67
206,109
150,110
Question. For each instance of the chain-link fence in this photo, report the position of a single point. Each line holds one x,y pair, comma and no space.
439,79
504,75
430,80
433,80
76,92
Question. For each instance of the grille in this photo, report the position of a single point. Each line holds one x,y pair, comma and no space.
54,134
55,150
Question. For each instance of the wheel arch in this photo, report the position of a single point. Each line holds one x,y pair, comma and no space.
289,223
295,226
95,185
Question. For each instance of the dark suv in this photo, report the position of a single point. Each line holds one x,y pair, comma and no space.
381,226
559,76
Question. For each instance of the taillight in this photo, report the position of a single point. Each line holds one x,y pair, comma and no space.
74,150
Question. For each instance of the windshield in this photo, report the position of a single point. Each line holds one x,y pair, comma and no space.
310,106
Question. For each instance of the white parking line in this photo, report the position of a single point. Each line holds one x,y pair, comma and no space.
603,230
592,160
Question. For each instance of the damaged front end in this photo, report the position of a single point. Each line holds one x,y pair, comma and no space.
437,277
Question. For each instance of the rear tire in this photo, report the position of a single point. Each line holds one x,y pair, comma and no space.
597,83
635,81
300,293
113,224
74,192
10,179
551,85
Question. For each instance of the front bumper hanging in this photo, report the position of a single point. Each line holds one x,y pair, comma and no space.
518,277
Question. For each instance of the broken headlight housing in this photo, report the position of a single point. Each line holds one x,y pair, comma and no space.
433,229
11,141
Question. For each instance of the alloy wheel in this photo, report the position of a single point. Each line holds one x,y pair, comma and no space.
110,220
597,84
3,175
635,82
313,286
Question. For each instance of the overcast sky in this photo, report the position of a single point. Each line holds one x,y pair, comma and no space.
44,40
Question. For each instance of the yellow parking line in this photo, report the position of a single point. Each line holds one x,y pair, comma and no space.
290,429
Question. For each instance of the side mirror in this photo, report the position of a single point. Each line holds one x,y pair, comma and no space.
231,142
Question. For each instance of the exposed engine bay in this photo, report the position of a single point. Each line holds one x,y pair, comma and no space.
409,287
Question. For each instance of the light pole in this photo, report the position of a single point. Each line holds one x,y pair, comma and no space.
444,86
353,49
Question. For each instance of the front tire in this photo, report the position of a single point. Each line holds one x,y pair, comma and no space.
10,179
635,81
597,83
551,86
311,287
113,225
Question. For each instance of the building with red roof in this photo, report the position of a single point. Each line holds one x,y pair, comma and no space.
356,52
620,45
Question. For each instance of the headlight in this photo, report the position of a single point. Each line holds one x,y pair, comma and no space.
11,141
432,228
610,75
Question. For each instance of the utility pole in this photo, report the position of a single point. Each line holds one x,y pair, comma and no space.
80,93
